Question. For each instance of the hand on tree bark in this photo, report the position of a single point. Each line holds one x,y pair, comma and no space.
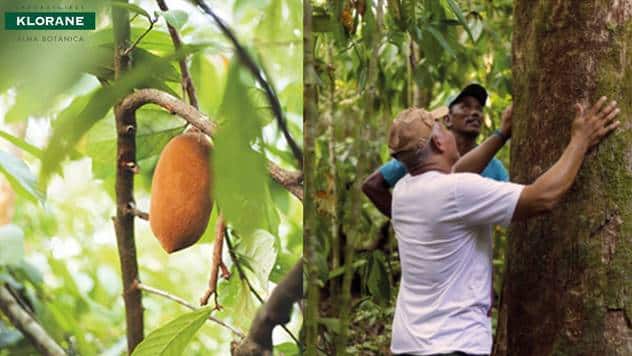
592,125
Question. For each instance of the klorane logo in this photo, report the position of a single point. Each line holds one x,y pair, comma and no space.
49,20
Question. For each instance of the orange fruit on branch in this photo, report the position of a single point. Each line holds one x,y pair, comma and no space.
181,201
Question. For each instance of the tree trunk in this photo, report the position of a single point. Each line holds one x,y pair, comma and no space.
125,169
567,288
310,118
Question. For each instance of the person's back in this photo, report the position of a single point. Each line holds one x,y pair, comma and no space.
442,223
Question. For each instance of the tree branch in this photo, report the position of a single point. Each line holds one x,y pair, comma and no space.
276,311
250,64
27,325
140,286
187,83
292,181
129,49
124,186
289,180
132,209
216,264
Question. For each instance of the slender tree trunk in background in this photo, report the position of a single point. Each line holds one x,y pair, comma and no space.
568,289
310,117
364,130
421,95
125,169
328,118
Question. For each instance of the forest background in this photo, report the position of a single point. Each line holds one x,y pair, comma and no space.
365,61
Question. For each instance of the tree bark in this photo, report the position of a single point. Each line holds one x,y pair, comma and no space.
568,289
126,167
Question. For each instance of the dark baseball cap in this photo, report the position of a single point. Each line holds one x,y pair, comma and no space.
474,90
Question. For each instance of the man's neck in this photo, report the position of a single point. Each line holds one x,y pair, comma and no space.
464,143
438,166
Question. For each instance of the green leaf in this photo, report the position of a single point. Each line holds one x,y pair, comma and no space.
272,24
133,8
333,324
12,242
410,11
160,68
259,248
22,144
475,23
175,18
173,337
236,298
286,349
241,179
72,123
284,262
29,272
208,83
456,10
442,41
157,41
155,127
377,281
20,177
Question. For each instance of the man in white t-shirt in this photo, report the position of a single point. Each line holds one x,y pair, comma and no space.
442,221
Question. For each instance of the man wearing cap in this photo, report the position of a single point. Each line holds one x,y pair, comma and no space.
464,118
442,222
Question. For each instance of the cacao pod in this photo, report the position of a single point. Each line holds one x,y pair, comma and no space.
181,189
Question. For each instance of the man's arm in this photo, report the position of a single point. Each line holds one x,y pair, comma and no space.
589,128
377,190
478,158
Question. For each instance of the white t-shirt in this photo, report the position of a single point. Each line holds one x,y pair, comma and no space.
443,227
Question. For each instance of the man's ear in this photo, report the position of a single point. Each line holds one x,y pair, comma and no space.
447,120
438,141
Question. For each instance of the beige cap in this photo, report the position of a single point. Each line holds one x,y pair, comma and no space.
411,127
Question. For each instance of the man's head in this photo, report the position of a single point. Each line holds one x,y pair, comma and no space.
418,138
466,111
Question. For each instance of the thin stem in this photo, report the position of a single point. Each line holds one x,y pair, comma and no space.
156,291
187,83
216,264
140,38
132,209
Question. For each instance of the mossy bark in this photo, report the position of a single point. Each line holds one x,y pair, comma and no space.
568,288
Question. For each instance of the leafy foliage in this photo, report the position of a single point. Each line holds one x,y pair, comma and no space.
374,58
20,176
